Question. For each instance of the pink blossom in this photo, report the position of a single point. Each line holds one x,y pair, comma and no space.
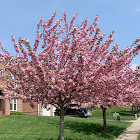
16,47
13,38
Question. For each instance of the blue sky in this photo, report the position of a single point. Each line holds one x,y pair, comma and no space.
20,18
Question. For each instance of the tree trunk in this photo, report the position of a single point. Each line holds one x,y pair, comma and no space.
135,109
61,130
104,119
132,110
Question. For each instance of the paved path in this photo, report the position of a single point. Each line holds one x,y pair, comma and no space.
132,132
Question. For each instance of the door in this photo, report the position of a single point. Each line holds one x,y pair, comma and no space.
46,111
49,111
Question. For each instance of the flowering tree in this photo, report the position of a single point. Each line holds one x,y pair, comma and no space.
134,97
114,84
71,66
116,89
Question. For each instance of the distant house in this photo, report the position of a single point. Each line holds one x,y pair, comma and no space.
7,106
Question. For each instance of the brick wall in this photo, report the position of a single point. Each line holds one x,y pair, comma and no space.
31,111
7,107
51,110
19,105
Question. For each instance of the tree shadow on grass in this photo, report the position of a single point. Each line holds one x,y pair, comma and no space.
89,128
45,139
125,113
92,128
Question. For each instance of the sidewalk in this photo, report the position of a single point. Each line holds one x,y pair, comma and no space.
132,132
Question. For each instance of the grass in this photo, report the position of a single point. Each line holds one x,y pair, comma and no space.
138,137
125,113
25,127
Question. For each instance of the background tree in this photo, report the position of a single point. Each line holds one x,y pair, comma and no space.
115,84
71,66
135,98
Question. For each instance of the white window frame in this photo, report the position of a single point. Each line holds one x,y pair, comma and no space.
12,100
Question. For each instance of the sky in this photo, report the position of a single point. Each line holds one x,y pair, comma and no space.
20,18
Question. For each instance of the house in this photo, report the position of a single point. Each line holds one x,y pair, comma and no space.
18,105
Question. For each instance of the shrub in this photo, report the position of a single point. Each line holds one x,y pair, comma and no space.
17,113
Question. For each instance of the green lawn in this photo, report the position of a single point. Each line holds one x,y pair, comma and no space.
138,137
125,113
25,127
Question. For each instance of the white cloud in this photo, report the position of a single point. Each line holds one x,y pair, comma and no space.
133,66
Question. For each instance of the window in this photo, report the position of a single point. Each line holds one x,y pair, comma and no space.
13,104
